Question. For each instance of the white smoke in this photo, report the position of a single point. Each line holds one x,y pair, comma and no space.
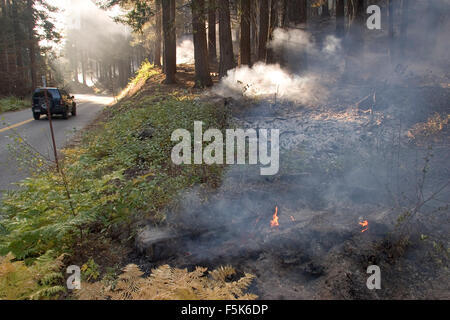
293,39
332,45
185,52
270,81
264,80
300,41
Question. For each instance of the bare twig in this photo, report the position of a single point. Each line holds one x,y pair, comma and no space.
49,115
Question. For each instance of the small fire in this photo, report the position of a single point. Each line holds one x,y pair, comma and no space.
274,222
365,225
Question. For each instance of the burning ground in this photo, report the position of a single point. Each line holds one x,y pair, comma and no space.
359,184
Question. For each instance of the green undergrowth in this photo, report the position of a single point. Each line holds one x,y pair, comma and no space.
119,174
144,74
13,104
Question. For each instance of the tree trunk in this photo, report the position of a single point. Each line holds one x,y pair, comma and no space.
350,12
285,23
355,42
158,37
170,41
102,71
245,43
75,65
340,18
212,41
404,26
122,68
273,24
325,10
32,43
296,11
202,75
226,43
18,48
4,59
263,29
111,79
254,33
391,29
83,67
358,23
302,11
284,14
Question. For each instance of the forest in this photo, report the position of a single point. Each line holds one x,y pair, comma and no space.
223,35
354,93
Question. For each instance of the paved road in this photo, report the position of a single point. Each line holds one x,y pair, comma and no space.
37,134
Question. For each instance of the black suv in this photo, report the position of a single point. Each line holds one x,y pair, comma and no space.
60,102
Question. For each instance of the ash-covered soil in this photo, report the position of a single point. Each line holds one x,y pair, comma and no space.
343,163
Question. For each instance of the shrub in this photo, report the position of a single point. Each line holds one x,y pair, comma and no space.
166,283
13,104
41,280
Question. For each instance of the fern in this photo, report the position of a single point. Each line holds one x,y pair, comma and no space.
129,283
16,281
166,283
92,291
41,280
48,292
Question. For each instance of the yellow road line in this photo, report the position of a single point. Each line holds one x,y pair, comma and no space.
15,125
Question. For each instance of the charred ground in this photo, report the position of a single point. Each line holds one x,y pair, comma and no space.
358,157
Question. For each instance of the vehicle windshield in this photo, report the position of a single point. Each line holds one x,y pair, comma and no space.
54,93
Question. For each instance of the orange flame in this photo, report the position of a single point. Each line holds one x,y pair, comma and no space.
365,225
274,222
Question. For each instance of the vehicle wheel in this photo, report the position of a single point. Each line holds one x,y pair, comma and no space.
36,116
74,111
65,115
